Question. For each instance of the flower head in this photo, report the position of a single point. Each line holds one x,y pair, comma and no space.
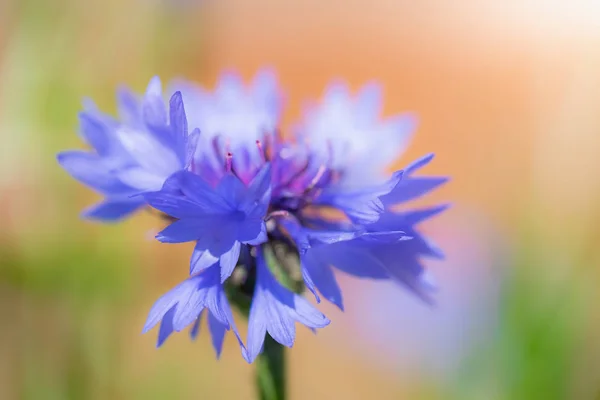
269,216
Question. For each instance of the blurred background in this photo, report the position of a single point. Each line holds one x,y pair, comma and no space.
508,96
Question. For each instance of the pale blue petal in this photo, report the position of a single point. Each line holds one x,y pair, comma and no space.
321,276
199,191
168,301
129,106
95,133
229,260
411,188
179,125
166,327
353,259
195,329
217,333
176,205
201,259
92,171
153,107
232,190
181,231
147,151
140,178
112,210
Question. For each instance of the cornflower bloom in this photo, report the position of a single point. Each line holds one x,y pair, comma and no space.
271,216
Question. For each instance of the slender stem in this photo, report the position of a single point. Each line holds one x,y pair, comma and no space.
270,371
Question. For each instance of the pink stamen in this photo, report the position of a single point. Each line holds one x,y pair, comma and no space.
228,162
316,179
261,151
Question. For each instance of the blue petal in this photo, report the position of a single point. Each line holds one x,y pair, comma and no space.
412,188
148,152
229,260
200,192
330,237
368,103
92,171
419,163
251,231
266,93
111,210
354,259
217,333
153,108
192,147
205,292
361,206
409,272
384,237
168,301
321,276
403,221
201,259
175,205
95,133
129,106
183,306
166,327
414,217
178,123
229,87
275,310
140,178
258,193
195,330
310,285
307,315
226,312
183,230
261,238
232,190
219,236
257,329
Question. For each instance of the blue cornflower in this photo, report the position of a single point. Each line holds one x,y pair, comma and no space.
132,155
283,213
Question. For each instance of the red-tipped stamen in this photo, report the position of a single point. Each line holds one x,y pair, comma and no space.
261,151
228,162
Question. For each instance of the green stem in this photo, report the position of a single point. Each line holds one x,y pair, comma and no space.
270,371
